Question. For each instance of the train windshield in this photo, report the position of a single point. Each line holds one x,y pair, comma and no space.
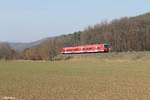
106,45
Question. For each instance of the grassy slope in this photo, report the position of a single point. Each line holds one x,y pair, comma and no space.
76,80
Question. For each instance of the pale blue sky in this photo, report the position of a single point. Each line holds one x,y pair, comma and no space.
29,20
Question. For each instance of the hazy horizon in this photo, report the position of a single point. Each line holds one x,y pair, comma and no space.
31,20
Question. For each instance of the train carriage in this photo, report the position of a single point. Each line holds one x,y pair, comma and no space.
93,48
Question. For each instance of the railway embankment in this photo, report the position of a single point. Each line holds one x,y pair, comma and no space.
119,56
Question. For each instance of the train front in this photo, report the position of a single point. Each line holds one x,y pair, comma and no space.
107,47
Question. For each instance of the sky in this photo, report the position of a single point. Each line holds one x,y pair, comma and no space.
31,20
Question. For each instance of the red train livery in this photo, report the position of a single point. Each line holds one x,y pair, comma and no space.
93,48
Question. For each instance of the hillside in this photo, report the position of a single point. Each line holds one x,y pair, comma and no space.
145,17
124,34
22,46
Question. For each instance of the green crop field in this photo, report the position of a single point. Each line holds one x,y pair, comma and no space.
79,79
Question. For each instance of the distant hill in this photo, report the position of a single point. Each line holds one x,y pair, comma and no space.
22,46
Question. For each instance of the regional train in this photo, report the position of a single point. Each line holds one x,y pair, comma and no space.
92,48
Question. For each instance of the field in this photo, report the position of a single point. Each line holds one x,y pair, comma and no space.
76,79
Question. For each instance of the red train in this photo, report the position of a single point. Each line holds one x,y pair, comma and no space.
93,48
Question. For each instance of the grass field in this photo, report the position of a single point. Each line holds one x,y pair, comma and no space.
79,79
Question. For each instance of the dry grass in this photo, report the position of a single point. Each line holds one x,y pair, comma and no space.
80,79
